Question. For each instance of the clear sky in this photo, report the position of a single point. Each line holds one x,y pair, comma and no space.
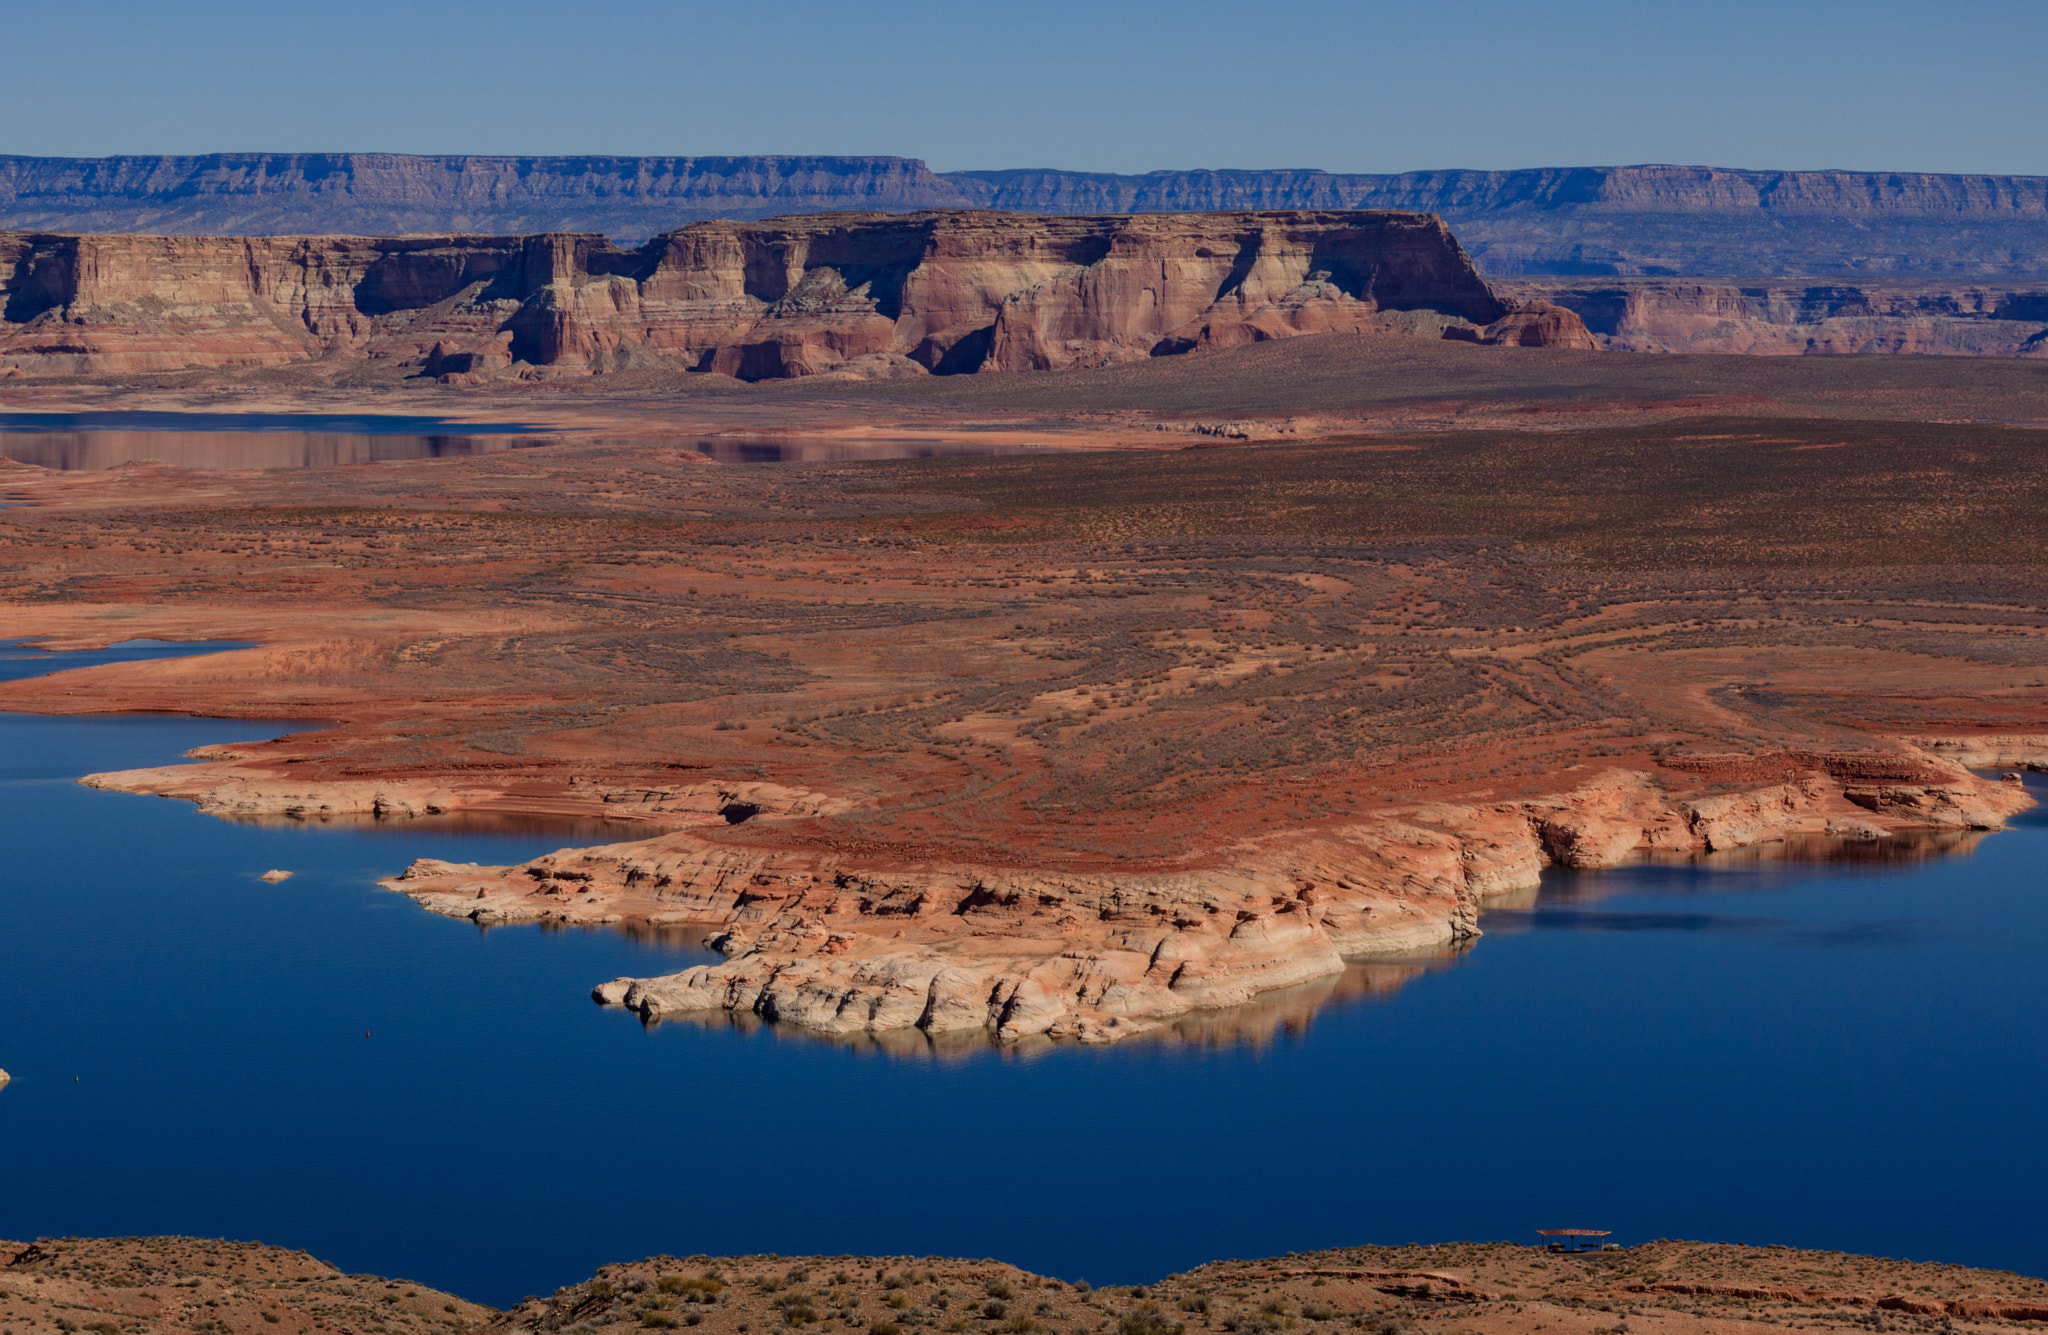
1101,85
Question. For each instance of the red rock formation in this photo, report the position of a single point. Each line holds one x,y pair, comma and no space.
937,292
1534,324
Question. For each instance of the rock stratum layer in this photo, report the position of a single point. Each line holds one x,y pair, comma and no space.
1653,219
870,294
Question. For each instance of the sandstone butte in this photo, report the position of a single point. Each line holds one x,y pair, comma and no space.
172,1286
860,294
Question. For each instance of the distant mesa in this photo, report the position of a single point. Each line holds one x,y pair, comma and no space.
1644,221
864,295
1801,317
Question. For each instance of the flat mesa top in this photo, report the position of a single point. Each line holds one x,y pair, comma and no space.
1576,1232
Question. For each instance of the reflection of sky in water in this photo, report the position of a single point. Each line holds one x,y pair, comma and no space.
92,450
86,441
1667,1050
19,659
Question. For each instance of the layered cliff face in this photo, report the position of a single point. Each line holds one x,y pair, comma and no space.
1643,220
1801,319
868,293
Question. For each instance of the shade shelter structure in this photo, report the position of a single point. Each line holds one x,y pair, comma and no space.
1574,1239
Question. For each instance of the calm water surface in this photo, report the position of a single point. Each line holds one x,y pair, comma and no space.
1838,1054
242,440
309,440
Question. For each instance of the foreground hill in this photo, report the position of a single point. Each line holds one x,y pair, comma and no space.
176,1286
172,1286
1644,220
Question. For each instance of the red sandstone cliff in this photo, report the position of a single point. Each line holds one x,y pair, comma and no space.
940,292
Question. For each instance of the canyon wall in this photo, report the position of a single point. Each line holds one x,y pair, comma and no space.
864,294
1800,319
1651,220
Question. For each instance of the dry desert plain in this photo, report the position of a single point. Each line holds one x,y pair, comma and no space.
188,1286
1275,657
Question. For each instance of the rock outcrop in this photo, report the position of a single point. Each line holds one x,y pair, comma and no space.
829,942
1799,318
1646,220
1532,324
864,293
227,793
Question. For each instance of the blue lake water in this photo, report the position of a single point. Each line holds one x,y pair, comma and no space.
1843,1054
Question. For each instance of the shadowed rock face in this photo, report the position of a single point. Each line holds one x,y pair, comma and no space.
866,293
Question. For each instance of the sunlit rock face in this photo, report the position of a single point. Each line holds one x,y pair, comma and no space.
858,294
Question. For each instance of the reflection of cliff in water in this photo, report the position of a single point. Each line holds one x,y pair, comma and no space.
1786,860
1284,1015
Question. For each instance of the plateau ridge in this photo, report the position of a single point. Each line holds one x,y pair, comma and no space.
1646,220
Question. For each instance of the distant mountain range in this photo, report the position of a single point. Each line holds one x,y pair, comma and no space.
1577,221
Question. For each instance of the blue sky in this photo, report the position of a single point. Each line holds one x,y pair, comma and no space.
1102,86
